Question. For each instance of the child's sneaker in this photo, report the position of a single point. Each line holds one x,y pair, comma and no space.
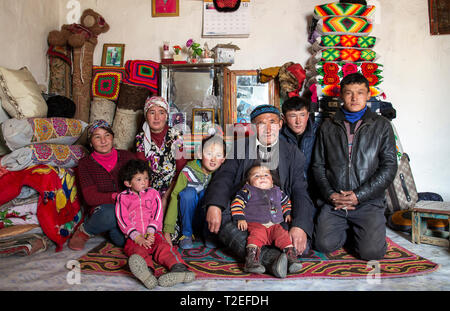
186,242
140,270
179,273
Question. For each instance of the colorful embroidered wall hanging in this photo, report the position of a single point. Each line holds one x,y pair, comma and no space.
329,73
347,55
143,73
346,41
358,26
343,9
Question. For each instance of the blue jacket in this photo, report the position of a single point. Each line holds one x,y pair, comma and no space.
307,143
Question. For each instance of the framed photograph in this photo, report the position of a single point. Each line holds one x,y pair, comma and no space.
244,92
202,120
178,120
161,8
113,54
439,15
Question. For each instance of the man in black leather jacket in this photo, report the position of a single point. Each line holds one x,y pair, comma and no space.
354,162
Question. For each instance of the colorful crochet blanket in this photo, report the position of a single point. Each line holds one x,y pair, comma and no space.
58,210
346,55
335,90
358,26
142,73
343,9
345,42
106,81
329,73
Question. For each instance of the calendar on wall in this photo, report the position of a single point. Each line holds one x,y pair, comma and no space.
226,24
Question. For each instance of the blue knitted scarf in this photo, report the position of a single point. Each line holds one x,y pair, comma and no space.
353,117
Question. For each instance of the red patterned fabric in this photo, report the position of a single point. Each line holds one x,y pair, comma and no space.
226,5
58,210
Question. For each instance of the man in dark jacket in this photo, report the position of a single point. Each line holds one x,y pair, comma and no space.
354,162
299,128
285,161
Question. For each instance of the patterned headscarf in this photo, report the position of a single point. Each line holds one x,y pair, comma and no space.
156,100
99,124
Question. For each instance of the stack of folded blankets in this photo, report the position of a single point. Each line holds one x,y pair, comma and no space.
342,44
119,94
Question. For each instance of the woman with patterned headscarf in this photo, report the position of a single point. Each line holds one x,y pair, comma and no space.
161,146
98,175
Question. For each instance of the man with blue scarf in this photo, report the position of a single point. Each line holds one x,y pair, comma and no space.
354,162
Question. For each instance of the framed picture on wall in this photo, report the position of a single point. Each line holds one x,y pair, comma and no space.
202,120
439,15
161,8
178,120
113,54
244,92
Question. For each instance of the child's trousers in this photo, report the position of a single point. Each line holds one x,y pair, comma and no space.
260,235
161,252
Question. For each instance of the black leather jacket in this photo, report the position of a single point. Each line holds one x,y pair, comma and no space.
373,162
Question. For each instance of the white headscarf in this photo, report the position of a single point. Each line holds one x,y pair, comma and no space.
151,101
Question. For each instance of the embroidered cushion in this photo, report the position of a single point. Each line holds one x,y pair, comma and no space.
329,73
20,94
106,82
65,156
343,9
346,55
344,42
344,25
334,90
143,73
19,133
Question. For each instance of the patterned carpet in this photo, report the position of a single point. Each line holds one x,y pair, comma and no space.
218,264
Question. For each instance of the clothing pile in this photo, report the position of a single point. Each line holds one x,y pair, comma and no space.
341,45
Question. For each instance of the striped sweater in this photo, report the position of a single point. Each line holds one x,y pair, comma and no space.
262,206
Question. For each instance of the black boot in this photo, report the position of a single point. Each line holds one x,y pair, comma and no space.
294,265
253,261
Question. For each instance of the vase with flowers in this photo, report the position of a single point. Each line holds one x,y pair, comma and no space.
177,56
195,51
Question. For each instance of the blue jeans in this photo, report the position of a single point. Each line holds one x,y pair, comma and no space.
192,215
103,219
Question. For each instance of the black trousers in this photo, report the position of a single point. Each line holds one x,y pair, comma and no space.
362,230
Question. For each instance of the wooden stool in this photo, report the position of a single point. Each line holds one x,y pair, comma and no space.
429,209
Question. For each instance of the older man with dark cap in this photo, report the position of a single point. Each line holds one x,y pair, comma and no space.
286,162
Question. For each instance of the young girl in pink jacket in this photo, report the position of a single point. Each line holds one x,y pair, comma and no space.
139,215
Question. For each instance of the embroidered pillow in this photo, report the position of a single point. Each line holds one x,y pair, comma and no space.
20,133
344,25
106,82
329,73
334,90
21,95
343,9
65,156
344,42
143,73
346,55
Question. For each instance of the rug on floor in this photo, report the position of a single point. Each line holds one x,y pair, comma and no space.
219,264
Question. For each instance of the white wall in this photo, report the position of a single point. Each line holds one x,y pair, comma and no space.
416,65
24,25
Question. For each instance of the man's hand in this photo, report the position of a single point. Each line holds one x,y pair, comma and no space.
299,238
344,200
214,218
242,225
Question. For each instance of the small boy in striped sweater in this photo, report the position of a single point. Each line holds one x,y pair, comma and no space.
260,207
186,198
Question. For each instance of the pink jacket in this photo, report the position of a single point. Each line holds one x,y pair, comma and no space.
138,214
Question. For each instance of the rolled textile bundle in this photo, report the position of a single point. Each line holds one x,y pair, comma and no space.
132,97
102,108
65,156
125,127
